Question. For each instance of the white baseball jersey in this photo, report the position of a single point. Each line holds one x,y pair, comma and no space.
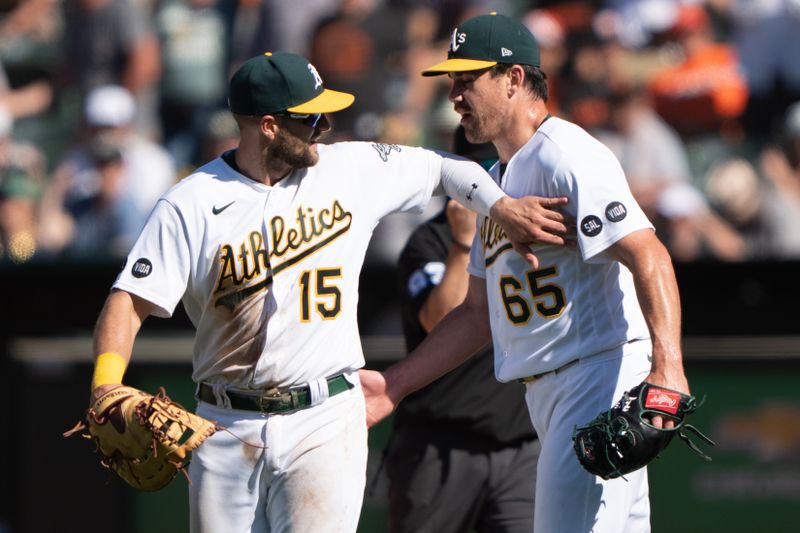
578,302
269,274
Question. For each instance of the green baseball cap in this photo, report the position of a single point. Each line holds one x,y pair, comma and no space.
279,82
486,40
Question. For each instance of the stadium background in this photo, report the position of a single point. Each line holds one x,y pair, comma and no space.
730,215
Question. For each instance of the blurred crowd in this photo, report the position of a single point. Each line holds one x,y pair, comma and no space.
104,104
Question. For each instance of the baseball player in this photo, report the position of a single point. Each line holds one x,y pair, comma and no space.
462,454
582,325
263,246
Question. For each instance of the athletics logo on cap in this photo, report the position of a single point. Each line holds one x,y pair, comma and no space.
486,40
317,77
457,40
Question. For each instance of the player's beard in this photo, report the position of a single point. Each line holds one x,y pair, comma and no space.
483,127
291,150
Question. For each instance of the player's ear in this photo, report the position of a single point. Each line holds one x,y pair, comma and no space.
269,126
516,79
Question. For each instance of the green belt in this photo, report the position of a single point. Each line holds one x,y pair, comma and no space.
273,400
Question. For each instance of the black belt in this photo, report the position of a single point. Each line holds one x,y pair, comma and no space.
273,400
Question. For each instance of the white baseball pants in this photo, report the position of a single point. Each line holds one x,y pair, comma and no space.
569,499
294,473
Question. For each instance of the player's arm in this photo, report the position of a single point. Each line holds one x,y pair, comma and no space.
527,220
657,290
452,289
460,334
116,329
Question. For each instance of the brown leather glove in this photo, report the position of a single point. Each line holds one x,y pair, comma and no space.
145,439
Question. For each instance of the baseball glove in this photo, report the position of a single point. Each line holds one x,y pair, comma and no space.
622,439
145,439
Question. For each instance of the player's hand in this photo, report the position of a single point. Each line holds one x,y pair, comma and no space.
379,405
674,379
533,219
462,223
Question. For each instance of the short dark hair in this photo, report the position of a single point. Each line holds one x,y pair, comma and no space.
535,78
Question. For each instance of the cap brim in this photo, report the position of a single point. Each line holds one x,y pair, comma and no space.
457,65
327,102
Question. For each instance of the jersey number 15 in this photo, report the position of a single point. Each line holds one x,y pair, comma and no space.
327,298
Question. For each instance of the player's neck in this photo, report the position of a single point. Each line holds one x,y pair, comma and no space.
254,167
520,129
275,172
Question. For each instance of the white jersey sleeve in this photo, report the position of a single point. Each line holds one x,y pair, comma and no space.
600,198
157,268
388,177
403,178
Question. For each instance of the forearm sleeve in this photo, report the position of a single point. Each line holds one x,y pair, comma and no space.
470,185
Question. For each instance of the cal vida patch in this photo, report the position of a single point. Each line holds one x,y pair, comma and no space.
591,226
615,211
142,268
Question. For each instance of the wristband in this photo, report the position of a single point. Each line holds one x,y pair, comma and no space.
109,367
465,247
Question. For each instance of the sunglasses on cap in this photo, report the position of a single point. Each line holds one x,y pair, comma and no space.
307,120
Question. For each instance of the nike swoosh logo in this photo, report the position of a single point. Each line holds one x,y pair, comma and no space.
217,210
